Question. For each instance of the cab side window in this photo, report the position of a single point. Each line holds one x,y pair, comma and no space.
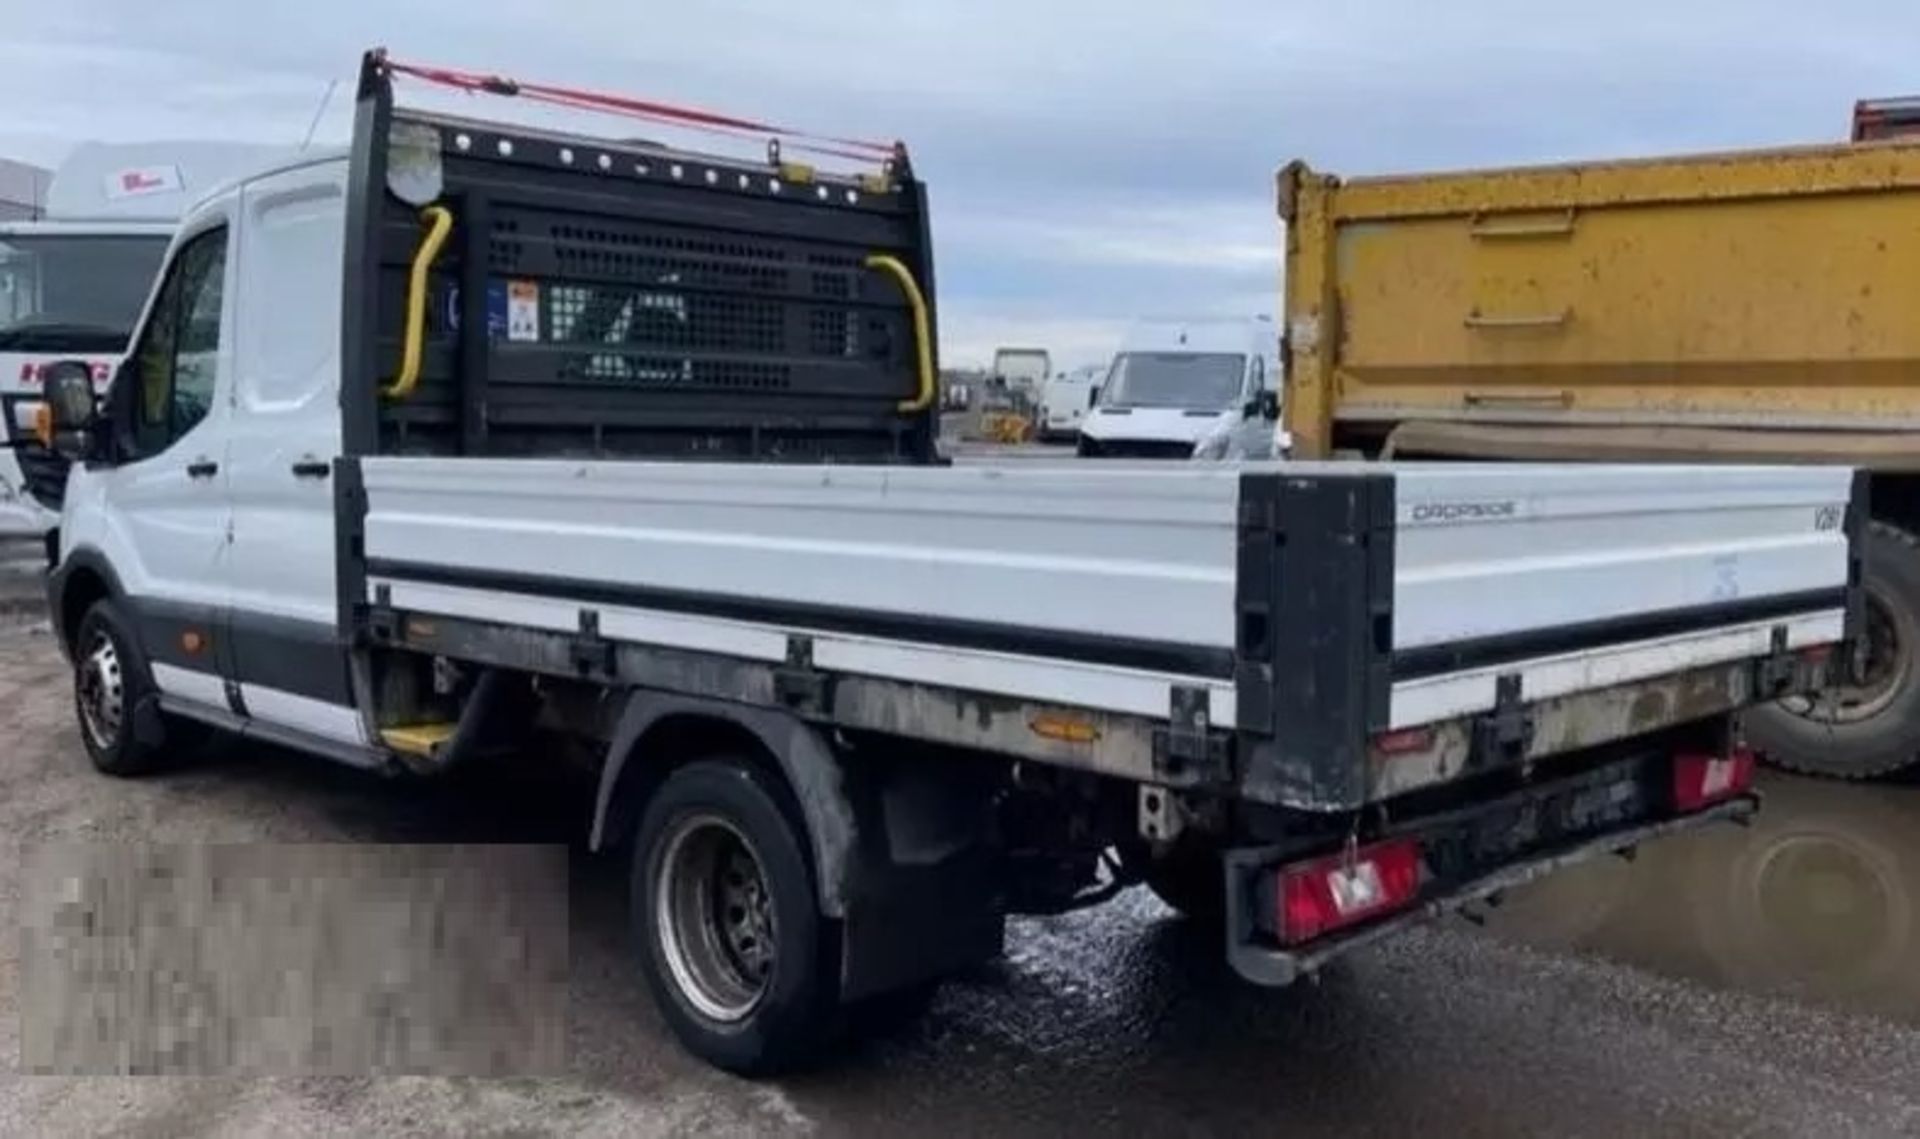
177,361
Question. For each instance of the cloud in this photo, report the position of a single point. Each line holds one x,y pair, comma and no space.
1089,160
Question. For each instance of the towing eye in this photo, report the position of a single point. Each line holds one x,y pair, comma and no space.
922,334
439,223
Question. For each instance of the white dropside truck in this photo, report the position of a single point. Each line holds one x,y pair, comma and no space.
477,444
71,284
1180,385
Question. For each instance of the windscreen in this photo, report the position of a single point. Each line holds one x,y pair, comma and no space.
1199,381
73,292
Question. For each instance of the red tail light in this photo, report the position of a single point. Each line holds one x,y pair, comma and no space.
1340,890
1702,780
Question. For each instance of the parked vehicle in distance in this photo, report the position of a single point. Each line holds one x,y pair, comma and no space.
1024,371
850,706
1065,401
1878,119
1718,308
1177,383
72,282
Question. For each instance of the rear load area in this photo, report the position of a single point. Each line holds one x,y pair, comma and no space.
1301,608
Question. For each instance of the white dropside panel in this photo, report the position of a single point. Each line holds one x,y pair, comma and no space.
1098,560
1496,550
1138,554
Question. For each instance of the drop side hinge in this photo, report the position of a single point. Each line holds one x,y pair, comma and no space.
1188,749
796,682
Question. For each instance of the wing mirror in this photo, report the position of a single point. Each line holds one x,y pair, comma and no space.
68,412
1266,405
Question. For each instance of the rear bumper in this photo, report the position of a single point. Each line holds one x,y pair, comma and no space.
1261,962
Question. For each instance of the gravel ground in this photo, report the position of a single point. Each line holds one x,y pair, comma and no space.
1671,996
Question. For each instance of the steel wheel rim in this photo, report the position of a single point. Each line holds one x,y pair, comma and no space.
100,685
1888,663
713,916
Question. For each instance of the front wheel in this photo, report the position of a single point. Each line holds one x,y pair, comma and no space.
731,936
109,684
1869,729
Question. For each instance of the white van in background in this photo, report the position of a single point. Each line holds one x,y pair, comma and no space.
1065,401
1178,384
72,283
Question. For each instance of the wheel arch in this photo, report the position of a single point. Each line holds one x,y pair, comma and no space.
83,577
658,732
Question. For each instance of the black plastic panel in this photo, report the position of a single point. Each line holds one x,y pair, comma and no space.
680,305
1314,642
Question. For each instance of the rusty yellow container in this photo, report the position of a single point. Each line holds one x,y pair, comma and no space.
1706,298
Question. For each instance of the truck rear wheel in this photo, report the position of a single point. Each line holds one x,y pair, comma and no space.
732,941
1869,729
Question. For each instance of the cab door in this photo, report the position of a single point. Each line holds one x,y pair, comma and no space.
288,656
165,497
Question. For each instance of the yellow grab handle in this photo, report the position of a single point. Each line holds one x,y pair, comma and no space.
922,334
439,224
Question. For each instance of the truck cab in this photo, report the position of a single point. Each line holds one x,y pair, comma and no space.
210,489
1180,386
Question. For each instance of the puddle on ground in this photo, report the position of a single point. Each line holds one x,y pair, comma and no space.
1818,901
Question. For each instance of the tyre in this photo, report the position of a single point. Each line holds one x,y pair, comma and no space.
1189,879
732,942
110,680
1873,728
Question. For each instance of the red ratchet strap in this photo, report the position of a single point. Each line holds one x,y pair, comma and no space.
857,149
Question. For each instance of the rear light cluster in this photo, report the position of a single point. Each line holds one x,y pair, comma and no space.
1699,781
1318,897
1325,895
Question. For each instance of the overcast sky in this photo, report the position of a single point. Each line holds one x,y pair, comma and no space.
1089,161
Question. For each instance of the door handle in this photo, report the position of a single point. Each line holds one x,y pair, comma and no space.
311,469
202,469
